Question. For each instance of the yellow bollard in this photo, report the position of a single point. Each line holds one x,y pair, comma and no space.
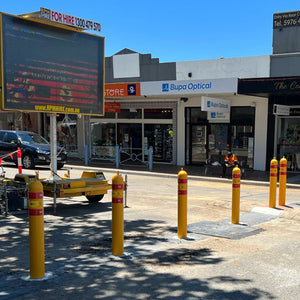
236,182
182,205
117,215
36,230
273,182
282,181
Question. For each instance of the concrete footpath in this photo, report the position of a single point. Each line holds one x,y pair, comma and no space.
255,259
194,171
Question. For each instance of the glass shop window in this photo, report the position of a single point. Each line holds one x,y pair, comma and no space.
242,133
160,137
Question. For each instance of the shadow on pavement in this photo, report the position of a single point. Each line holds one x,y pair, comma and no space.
78,255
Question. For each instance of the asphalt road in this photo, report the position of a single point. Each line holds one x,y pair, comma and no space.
156,264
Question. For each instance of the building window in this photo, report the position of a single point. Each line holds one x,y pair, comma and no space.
102,139
67,132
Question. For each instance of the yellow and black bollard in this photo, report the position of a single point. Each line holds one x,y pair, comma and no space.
273,182
36,230
182,205
117,215
236,182
282,181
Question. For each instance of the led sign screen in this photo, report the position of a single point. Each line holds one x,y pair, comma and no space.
47,68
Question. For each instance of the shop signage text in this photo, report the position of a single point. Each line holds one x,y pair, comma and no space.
215,104
287,19
218,117
183,87
166,87
284,85
116,90
69,20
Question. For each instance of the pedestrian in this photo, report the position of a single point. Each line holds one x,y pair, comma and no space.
230,161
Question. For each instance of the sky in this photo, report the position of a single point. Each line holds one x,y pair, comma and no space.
174,30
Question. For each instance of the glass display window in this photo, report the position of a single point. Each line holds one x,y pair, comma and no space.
242,133
218,142
102,140
102,134
67,132
160,137
288,141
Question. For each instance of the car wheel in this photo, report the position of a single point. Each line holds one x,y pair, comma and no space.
95,198
60,166
28,162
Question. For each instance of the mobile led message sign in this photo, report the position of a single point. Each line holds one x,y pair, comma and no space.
50,69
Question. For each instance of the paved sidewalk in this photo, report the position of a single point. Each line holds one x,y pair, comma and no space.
293,179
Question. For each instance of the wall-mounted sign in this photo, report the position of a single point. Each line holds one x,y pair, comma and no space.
69,20
218,117
287,19
281,110
280,86
119,90
189,87
112,107
215,104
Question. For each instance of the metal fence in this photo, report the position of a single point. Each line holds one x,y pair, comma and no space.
123,156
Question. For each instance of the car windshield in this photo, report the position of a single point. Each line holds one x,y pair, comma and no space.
32,138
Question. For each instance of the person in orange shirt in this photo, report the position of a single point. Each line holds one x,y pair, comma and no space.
230,161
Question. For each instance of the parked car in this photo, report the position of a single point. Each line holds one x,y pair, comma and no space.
35,149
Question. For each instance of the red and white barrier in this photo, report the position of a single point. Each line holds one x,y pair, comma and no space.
19,154
19,158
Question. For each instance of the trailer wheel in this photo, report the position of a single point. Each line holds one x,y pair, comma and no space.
95,198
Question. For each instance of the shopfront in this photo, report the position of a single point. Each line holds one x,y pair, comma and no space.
283,116
209,140
288,138
135,128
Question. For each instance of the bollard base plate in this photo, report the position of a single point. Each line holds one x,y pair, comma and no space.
46,277
125,255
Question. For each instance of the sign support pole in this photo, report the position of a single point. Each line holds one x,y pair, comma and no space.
53,164
53,139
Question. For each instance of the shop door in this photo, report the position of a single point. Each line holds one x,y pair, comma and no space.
288,141
199,146
130,138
